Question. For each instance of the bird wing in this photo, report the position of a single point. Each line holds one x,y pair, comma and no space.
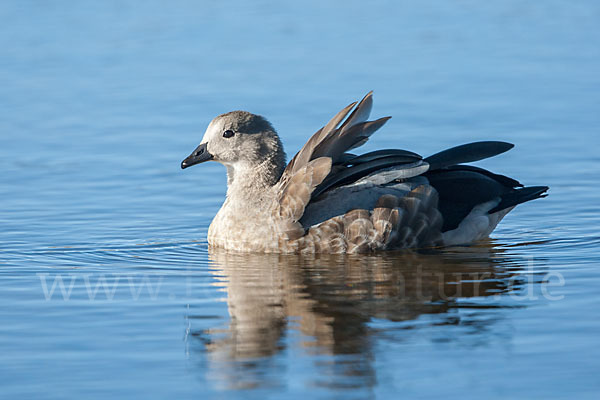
323,182
313,163
333,141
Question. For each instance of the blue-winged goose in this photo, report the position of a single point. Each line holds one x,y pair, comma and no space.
327,200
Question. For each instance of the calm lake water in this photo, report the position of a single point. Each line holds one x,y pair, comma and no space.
107,285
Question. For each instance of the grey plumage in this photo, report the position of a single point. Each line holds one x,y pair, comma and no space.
327,200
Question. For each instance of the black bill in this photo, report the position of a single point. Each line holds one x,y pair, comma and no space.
198,156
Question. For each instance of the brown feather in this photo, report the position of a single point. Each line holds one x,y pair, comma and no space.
387,201
361,112
353,215
296,194
337,244
337,144
410,221
333,142
306,152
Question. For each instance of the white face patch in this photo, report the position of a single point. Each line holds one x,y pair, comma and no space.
213,130
220,148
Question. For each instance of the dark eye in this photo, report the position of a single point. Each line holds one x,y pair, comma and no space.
228,133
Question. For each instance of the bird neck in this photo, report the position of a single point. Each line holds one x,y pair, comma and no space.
249,181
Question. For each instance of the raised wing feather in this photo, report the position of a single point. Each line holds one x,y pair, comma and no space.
312,164
331,141
306,152
360,113
356,135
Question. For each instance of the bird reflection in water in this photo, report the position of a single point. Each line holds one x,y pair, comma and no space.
324,305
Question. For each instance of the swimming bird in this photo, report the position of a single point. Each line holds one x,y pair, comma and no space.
328,200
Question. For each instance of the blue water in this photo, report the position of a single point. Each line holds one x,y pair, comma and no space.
107,285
